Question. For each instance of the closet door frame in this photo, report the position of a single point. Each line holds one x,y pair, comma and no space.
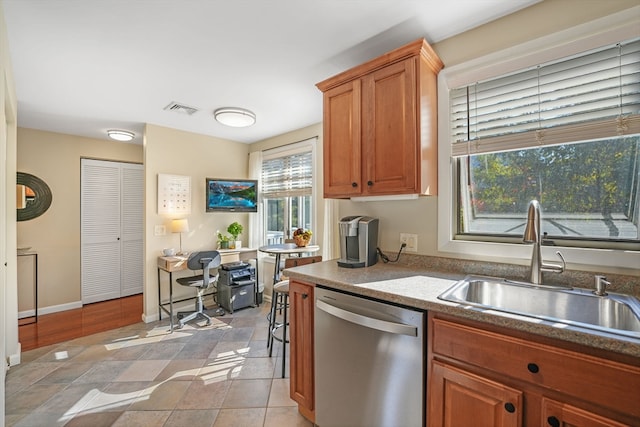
111,254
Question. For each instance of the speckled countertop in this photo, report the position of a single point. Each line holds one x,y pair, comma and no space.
417,285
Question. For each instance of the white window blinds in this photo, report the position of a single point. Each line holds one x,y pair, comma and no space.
288,176
584,97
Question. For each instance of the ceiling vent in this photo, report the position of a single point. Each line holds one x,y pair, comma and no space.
181,108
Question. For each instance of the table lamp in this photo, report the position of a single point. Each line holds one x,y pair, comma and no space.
180,226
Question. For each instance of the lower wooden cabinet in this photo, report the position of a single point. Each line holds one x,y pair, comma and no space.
481,375
459,398
301,300
556,414
485,376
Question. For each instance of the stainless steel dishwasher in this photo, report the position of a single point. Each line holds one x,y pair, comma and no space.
369,362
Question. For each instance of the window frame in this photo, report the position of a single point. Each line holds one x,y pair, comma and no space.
591,35
307,145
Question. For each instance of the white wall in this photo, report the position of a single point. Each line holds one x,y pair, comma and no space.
9,346
170,151
55,235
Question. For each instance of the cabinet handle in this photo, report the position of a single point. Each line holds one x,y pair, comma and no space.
304,296
533,368
354,184
369,183
509,407
553,422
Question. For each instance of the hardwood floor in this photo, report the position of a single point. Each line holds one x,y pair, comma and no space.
70,324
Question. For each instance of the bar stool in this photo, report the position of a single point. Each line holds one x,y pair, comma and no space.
280,302
281,296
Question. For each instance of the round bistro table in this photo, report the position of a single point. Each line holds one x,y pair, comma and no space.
286,249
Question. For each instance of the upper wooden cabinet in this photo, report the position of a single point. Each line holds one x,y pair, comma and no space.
380,125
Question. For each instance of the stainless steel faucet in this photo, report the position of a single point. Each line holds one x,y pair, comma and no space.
532,235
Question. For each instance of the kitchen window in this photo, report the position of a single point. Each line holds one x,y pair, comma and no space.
566,133
287,184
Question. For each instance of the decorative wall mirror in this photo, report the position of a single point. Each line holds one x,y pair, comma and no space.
33,196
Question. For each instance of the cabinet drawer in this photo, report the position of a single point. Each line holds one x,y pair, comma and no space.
604,382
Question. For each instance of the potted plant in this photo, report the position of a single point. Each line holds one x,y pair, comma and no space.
235,229
223,241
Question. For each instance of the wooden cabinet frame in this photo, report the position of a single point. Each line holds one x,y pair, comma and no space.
301,338
380,125
557,379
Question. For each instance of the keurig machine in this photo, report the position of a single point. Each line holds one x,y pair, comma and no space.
358,241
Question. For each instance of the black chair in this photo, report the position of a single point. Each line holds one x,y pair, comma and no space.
205,261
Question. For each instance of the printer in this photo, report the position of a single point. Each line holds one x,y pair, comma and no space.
236,273
236,286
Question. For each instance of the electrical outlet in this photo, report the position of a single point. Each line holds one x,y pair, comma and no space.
159,230
411,240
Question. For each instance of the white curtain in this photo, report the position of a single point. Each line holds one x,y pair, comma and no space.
255,220
330,235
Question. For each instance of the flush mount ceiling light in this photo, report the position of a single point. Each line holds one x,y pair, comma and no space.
120,135
235,117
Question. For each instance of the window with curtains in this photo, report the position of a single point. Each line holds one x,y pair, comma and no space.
287,182
565,133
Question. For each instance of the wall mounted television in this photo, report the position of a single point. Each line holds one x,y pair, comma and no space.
231,195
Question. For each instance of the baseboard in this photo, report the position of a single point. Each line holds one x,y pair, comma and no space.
26,313
150,318
14,359
51,309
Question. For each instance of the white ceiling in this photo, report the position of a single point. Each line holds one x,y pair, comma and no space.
82,67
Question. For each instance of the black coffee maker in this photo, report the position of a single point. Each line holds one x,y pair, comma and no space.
358,241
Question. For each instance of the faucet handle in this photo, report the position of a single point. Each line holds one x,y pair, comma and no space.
553,267
564,264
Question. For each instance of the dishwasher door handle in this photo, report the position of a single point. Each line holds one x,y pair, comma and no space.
368,322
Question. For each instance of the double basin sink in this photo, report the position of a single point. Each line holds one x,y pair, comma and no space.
612,313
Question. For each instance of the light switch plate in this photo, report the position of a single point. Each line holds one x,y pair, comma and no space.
159,230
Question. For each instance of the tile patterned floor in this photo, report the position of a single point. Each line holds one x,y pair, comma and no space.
142,375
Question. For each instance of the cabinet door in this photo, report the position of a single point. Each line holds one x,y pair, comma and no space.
132,229
390,135
570,372
341,148
459,398
556,414
301,364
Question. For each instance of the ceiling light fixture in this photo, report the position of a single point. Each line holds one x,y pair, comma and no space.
235,117
121,135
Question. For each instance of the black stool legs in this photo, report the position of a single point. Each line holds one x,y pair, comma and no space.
280,299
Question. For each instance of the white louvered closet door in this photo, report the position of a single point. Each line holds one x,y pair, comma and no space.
111,230
132,229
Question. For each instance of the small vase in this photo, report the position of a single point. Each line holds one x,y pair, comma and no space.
224,245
